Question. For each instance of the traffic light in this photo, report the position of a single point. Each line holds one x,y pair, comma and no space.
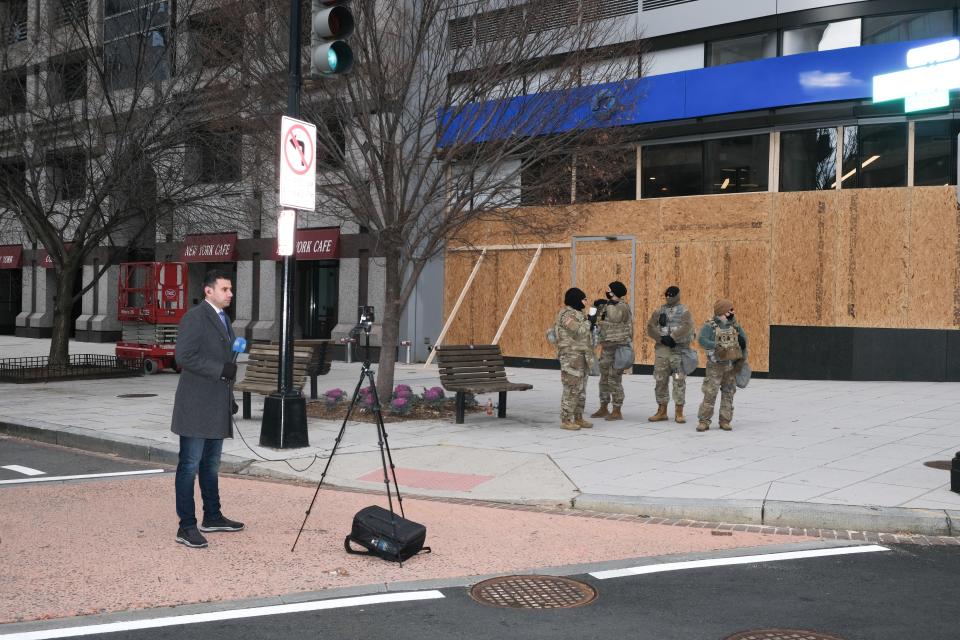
332,23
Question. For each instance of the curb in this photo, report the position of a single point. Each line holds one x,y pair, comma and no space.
775,513
779,513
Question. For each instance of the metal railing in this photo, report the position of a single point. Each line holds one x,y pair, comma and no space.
84,365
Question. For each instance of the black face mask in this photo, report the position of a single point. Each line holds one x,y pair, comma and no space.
578,305
729,317
609,295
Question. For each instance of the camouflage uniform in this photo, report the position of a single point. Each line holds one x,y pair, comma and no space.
720,374
667,363
615,324
576,356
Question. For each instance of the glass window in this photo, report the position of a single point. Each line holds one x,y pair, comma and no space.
934,153
66,177
672,170
546,181
140,57
605,176
67,79
907,26
808,159
735,165
875,155
216,40
13,97
13,21
217,156
755,47
822,37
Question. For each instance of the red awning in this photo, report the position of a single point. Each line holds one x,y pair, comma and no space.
46,261
10,256
213,247
316,244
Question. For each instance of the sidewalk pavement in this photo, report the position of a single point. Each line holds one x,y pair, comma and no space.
807,454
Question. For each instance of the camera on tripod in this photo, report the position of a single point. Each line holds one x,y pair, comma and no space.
365,320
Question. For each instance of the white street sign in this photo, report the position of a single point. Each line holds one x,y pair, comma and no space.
298,164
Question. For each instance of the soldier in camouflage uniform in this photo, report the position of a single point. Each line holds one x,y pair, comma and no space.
671,327
615,328
726,345
576,356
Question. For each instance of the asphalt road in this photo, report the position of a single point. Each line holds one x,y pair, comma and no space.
905,592
23,461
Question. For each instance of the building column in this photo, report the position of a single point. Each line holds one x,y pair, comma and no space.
98,322
36,319
266,326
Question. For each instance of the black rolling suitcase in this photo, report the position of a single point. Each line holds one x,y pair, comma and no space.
393,539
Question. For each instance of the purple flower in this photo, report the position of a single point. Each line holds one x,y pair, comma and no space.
400,402
402,391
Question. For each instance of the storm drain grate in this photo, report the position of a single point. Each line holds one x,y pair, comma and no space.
137,395
943,465
781,634
533,592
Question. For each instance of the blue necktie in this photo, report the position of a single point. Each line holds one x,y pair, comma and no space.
226,325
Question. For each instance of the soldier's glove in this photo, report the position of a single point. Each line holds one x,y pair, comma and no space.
742,341
235,408
662,320
229,371
668,341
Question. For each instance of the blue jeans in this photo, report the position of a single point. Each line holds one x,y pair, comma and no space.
198,456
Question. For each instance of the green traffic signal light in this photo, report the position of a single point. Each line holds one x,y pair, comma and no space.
331,25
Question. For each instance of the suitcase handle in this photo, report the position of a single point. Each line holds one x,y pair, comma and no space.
348,549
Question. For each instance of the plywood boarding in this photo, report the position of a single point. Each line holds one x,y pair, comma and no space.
872,257
804,243
933,289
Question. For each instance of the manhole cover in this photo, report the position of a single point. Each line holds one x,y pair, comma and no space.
137,395
533,592
781,634
944,465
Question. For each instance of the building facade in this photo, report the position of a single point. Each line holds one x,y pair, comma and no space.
768,156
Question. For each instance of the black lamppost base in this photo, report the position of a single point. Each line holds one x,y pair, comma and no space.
284,423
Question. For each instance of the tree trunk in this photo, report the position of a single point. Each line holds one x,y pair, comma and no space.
390,325
63,305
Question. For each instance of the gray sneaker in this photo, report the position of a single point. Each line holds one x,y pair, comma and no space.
191,537
220,523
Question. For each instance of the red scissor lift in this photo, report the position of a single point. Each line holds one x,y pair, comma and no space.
152,298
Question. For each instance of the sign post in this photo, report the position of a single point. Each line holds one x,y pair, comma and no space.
285,412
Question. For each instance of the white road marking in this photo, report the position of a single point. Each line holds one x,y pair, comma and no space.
721,562
27,471
216,616
82,477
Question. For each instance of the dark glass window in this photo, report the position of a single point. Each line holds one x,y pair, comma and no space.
136,60
69,12
604,176
735,165
13,176
66,176
13,21
217,156
822,37
546,180
331,144
935,153
907,26
672,170
808,159
13,97
217,40
67,79
755,47
883,155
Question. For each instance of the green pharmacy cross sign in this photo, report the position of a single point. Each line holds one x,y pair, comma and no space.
934,71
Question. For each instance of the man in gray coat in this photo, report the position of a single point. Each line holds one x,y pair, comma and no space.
203,408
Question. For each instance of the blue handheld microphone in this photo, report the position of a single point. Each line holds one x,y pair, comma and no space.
239,346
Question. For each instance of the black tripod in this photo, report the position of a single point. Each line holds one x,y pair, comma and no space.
385,456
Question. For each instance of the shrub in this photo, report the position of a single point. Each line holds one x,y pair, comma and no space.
433,396
402,391
334,397
401,405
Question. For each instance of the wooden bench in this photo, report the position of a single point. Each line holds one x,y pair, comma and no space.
309,359
475,368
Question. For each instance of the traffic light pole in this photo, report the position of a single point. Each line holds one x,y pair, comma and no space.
284,423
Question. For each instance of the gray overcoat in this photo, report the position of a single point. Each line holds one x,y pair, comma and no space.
204,402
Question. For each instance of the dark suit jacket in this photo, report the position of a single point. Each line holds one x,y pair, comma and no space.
204,403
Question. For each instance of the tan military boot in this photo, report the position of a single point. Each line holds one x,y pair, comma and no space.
601,412
583,424
570,426
703,426
661,414
726,426
678,414
615,414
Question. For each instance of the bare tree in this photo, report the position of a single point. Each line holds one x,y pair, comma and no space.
121,124
421,138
